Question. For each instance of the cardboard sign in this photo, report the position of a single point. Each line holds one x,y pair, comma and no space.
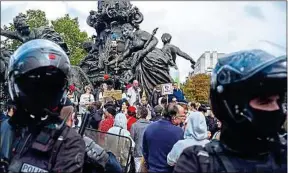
117,94
167,89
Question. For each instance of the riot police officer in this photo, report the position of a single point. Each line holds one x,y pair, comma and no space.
35,139
247,95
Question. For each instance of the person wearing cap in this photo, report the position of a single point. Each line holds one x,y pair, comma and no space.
131,117
72,96
158,113
107,123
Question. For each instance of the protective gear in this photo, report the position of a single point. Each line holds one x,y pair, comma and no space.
214,158
38,77
98,159
242,76
40,140
49,151
95,153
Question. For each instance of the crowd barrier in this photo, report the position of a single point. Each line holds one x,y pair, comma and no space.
120,146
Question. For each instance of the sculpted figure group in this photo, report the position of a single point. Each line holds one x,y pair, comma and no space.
120,49
124,51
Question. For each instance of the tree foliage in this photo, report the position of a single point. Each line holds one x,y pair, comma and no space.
72,35
66,26
36,18
197,88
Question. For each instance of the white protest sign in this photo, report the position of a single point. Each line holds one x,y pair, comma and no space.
167,89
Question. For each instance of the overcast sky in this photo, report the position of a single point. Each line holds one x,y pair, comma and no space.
196,27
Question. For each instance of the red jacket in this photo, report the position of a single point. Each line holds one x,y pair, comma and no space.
106,124
130,121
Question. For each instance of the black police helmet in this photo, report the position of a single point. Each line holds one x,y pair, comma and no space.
242,76
38,76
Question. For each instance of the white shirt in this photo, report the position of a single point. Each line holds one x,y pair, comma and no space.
132,95
84,99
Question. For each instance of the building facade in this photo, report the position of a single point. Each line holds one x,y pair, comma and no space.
206,62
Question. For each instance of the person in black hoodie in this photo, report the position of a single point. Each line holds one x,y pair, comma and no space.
247,95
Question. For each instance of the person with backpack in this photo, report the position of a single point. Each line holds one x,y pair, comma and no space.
247,95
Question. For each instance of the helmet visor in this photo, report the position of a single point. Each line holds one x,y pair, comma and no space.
42,87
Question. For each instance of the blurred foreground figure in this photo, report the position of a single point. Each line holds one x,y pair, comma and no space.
247,96
38,81
36,138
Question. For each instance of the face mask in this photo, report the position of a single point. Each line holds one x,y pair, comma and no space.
267,123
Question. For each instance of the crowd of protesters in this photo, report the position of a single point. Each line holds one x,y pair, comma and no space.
159,128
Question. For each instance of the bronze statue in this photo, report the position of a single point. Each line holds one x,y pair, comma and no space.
4,62
125,52
150,64
172,51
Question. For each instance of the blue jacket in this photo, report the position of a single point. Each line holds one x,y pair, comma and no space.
158,140
178,94
3,116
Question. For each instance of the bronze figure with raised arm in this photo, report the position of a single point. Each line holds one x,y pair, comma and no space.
172,51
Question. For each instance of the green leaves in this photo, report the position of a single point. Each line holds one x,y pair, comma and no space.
36,18
72,35
197,88
66,26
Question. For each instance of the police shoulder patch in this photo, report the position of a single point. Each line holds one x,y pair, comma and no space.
30,168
